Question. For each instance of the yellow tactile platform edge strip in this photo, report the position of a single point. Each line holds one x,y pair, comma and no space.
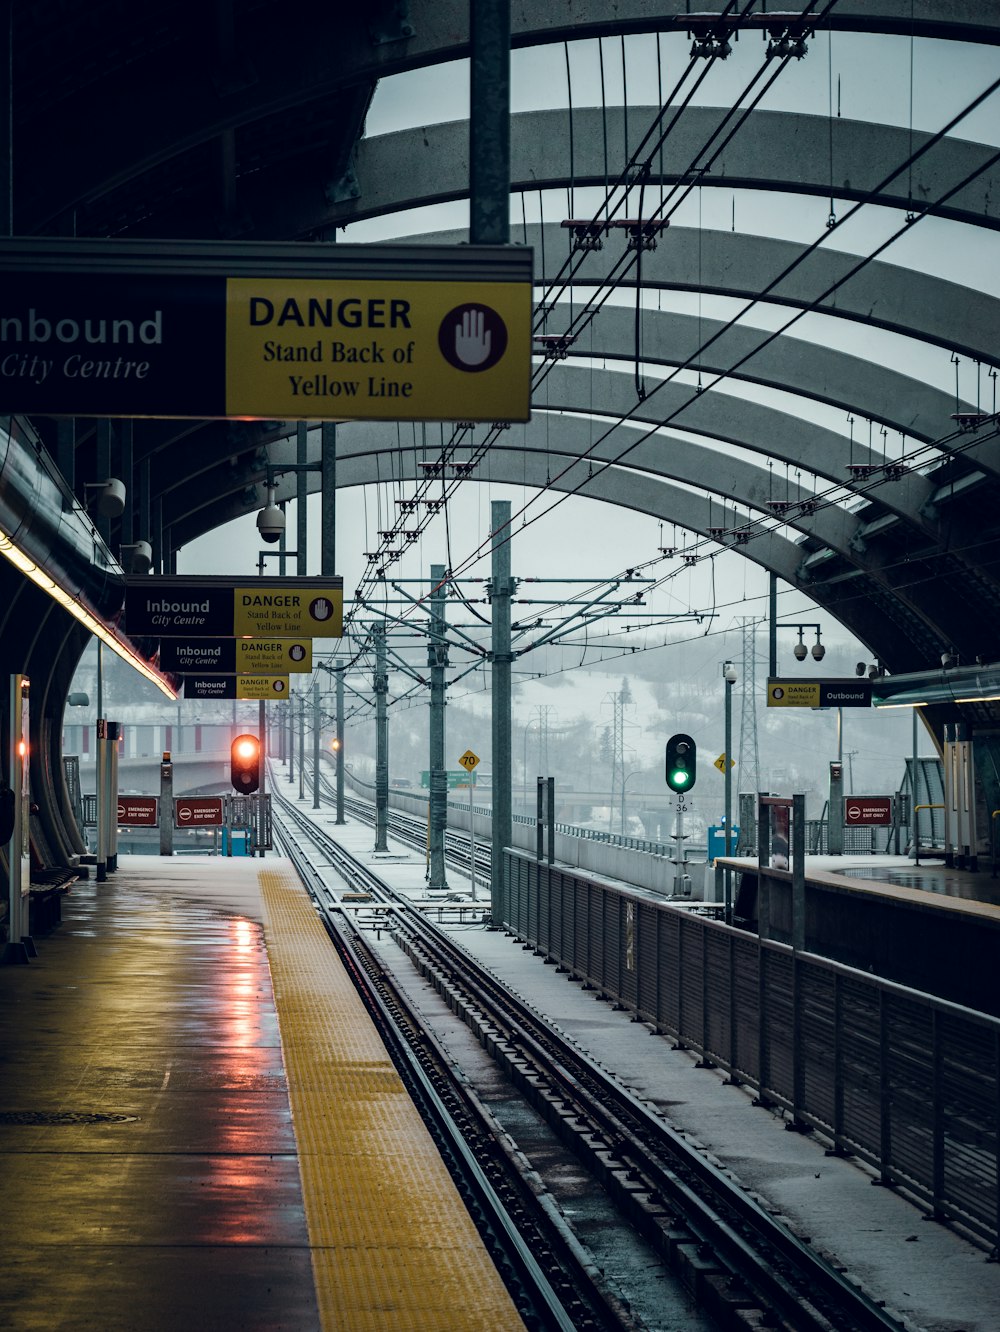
393,1246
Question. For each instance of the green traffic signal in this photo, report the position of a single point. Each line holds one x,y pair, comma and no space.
681,764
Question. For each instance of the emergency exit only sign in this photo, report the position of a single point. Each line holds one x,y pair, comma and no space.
867,811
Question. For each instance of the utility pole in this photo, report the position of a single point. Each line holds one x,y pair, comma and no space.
437,660
380,684
501,590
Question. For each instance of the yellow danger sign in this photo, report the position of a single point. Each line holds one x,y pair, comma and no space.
287,611
723,762
793,694
357,349
469,760
273,656
262,686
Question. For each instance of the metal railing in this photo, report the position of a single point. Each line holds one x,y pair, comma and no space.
904,1081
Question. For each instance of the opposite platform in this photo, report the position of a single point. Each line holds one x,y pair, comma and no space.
151,1172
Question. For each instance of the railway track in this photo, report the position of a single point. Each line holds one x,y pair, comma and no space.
741,1263
412,831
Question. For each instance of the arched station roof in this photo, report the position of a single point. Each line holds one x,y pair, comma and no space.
232,121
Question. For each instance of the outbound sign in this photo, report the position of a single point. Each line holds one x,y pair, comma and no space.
261,687
296,608
848,693
236,656
867,811
273,331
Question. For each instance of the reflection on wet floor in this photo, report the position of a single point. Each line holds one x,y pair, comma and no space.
980,887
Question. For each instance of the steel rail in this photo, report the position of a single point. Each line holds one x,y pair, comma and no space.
528,1284
659,1180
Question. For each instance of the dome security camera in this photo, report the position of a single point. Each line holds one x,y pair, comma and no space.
800,651
818,651
730,673
271,523
860,668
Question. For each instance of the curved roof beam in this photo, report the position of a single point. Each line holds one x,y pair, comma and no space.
902,638
773,150
794,365
732,420
901,300
830,529
91,147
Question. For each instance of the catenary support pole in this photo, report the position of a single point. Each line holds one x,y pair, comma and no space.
302,744
437,660
381,686
315,742
340,745
291,737
500,595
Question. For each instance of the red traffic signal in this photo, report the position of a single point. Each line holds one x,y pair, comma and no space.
244,767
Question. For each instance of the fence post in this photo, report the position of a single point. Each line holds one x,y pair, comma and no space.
885,1097
937,1112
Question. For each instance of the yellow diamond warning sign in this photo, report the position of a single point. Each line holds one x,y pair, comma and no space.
469,760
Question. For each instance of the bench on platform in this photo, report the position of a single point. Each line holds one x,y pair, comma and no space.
45,898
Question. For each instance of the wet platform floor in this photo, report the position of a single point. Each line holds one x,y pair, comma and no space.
200,1128
150,1174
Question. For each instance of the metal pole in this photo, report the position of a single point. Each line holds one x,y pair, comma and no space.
291,737
472,836
166,807
101,790
114,731
328,509
489,123
798,852
301,494
340,745
502,804
381,686
126,450
728,779
7,119
728,775
315,743
437,660
772,624
914,797
302,744
262,789
550,816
